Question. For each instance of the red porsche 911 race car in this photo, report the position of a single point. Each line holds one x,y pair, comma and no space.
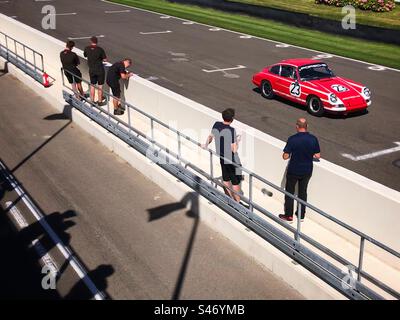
311,83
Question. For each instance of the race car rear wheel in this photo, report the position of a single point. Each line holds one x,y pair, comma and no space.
266,89
314,106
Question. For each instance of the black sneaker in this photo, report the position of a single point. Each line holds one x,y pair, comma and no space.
301,218
118,112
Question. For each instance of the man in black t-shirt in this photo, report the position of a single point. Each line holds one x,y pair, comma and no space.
302,149
226,145
96,56
70,62
115,73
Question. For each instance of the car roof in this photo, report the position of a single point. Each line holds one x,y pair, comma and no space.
300,62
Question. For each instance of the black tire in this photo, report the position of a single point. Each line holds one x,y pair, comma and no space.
266,89
315,106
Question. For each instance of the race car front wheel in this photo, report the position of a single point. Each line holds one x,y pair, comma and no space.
266,89
314,106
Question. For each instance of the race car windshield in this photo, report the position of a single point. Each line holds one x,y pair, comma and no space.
315,71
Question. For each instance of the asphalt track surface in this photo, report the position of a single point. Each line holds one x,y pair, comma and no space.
175,53
132,240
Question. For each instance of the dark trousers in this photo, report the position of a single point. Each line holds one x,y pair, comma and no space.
291,181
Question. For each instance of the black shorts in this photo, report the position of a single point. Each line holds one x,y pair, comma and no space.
97,77
115,88
229,173
70,76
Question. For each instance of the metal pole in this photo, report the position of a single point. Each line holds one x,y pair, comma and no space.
297,236
25,56
34,61
212,168
360,258
152,131
251,192
108,107
129,119
179,147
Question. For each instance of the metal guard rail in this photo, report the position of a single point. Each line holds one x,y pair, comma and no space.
35,69
177,166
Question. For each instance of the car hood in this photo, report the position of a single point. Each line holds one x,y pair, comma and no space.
340,87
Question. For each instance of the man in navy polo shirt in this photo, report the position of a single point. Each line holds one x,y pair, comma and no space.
301,148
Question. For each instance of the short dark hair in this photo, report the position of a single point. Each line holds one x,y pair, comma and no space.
128,59
93,39
228,114
70,44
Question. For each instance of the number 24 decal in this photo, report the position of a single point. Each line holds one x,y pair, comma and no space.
295,89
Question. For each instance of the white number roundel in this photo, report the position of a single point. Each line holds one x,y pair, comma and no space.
339,88
295,89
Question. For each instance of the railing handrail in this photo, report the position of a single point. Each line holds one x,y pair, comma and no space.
297,232
34,52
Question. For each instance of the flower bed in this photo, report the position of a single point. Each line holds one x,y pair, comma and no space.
373,5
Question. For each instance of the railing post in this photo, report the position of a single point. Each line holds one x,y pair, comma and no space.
25,56
212,168
152,131
179,147
129,119
297,236
251,192
360,259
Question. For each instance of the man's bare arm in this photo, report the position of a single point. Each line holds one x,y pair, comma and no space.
285,156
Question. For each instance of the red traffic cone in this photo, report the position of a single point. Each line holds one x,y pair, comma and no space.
46,82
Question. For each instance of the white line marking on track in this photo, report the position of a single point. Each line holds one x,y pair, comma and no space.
377,68
43,254
187,22
215,29
282,45
373,154
226,69
156,32
79,269
263,39
322,56
245,37
82,38
165,17
63,14
118,11
16,215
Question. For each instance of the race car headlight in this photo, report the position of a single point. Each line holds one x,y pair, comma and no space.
367,93
333,98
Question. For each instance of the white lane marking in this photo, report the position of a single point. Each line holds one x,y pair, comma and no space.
165,17
156,32
245,37
79,269
377,68
215,29
373,154
63,14
263,39
151,78
322,56
45,256
226,69
188,22
16,215
118,11
282,45
82,38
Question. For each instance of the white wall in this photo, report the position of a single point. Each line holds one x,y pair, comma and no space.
364,204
